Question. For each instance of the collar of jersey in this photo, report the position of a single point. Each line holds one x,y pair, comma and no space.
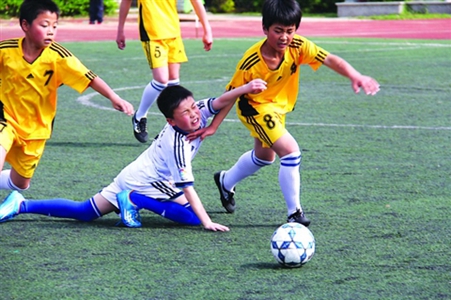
178,129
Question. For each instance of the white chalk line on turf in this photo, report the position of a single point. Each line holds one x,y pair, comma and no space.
396,46
86,100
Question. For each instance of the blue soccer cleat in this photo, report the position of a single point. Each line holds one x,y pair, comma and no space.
10,207
129,212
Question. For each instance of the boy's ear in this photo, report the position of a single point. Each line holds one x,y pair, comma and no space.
24,25
170,121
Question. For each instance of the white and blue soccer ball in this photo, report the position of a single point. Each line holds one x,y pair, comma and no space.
293,245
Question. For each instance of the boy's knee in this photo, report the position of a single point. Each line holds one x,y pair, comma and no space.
261,162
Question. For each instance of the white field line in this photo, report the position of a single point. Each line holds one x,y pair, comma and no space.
86,100
367,34
395,46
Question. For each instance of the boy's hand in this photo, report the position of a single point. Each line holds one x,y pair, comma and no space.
123,106
216,227
255,86
202,133
208,41
369,85
120,40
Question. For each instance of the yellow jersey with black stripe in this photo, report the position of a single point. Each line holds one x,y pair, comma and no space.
282,83
158,20
28,92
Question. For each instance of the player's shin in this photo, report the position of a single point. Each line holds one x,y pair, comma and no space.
62,208
167,209
246,165
290,180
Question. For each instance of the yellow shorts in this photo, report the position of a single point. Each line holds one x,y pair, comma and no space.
22,155
265,122
160,53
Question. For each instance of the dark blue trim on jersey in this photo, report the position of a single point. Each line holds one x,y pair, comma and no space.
179,154
181,131
210,106
182,185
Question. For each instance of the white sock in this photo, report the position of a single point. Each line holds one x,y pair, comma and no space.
173,82
290,180
150,94
4,180
246,165
7,184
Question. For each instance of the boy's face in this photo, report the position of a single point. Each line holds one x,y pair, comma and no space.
42,31
279,36
186,116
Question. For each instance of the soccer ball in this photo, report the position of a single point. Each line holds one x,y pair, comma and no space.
293,245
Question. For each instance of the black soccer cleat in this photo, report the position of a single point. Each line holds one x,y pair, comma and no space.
227,200
299,217
140,129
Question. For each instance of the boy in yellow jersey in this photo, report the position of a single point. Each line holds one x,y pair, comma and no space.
160,34
32,68
277,61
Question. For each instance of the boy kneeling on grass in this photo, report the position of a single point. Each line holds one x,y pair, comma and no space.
160,179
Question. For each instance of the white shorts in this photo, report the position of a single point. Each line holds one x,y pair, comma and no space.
159,190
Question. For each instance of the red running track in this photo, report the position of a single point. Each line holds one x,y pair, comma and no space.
80,30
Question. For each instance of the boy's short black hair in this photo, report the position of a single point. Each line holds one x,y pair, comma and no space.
170,98
284,12
30,9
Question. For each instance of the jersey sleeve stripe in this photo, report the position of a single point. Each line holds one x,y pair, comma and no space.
296,43
321,56
11,43
62,51
91,75
250,61
178,150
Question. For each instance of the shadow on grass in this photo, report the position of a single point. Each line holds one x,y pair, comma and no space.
269,266
148,222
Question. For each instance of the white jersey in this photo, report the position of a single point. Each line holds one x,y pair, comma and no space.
165,167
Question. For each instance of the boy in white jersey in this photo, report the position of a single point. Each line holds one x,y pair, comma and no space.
160,179
277,60
161,39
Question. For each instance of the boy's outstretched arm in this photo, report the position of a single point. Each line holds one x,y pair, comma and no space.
118,103
253,87
369,85
224,103
199,210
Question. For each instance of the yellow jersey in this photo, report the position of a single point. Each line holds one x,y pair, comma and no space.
158,20
282,83
28,91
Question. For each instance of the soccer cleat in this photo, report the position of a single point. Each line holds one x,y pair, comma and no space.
11,206
140,129
227,200
299,217
129,212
